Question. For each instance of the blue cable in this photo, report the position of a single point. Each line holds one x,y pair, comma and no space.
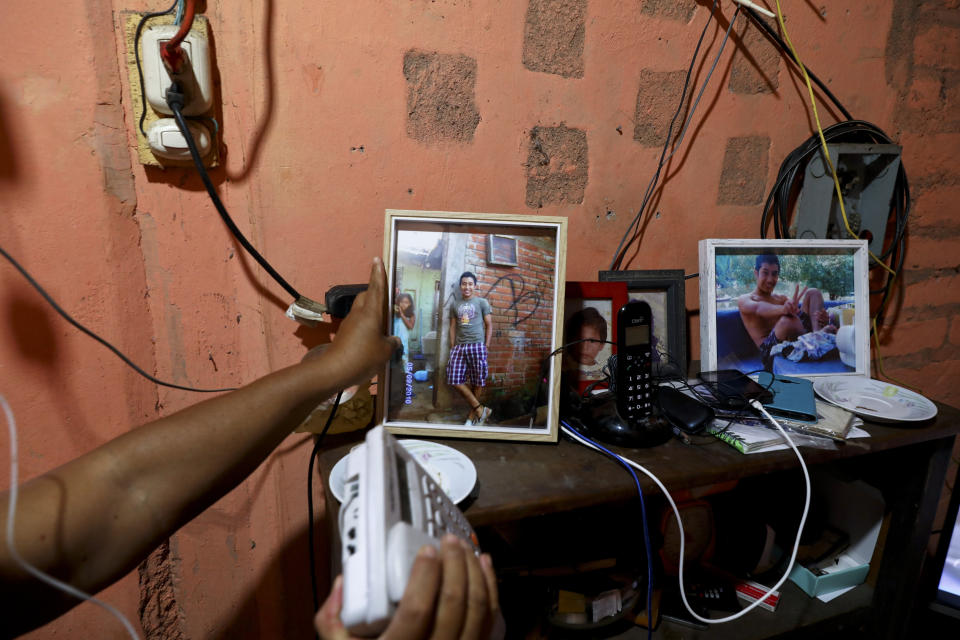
643,514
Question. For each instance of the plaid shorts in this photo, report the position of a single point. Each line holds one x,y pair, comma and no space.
468,363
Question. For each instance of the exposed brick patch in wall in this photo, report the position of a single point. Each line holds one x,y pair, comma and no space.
557,166
657,97
522,301
911,276
936,359
921,64
671,9
744,173
944,176
756,63
922,67
937,45
917,334
929,375
440,96
553,37
929,311
160,615
954,335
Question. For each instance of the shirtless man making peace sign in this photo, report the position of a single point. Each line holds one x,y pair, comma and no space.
771,318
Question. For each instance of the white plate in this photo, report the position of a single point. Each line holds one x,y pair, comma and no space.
451,470
875,400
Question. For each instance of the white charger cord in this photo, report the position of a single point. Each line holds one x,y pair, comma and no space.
676,512
26,566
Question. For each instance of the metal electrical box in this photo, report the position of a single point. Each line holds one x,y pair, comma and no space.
867,175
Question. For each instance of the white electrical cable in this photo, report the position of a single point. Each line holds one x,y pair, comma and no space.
26,566
676,512
756,8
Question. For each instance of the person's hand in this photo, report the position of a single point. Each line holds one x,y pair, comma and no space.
792,305
451,594
823,318
362,346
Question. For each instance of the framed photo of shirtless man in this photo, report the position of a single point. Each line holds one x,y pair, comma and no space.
791,307
478,305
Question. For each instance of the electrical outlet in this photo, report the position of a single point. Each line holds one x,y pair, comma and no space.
195,79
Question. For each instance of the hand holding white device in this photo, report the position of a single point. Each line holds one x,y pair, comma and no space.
391,508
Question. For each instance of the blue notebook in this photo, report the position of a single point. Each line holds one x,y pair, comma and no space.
793,398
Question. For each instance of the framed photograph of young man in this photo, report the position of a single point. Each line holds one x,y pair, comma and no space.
791,307
478,322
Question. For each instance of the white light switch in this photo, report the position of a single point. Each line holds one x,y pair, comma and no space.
167,142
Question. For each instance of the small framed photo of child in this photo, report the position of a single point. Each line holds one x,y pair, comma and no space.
589,332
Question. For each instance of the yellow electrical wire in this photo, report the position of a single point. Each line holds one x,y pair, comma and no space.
836,184
823,140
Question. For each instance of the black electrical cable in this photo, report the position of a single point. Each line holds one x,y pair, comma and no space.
773,35
66,316
175,100
136,54
786,186
313,456
778,206
621,249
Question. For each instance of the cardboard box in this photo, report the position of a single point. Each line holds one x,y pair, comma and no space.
854,507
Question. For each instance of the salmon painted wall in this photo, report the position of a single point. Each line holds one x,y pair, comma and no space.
334,112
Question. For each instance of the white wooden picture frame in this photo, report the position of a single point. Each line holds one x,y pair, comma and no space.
726,269
426,252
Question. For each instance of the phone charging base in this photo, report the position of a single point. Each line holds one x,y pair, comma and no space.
601,421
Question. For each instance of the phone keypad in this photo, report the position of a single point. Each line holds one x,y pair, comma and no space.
636,399
441,516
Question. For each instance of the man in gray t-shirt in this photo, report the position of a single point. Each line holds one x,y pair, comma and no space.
471,327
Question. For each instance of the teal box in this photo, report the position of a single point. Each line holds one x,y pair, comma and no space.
854,507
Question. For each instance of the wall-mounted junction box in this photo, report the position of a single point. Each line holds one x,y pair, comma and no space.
199,87
867,174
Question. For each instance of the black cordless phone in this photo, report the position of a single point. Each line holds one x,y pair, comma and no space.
634,368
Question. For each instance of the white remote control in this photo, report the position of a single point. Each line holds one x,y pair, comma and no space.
391,508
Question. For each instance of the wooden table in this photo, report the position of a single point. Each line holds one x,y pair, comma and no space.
907,463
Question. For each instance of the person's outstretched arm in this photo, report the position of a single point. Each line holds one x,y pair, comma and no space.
92,520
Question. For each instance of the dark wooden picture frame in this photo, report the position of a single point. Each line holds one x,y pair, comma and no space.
604,297
671,311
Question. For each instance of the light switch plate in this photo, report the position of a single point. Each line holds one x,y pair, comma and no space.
167,141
